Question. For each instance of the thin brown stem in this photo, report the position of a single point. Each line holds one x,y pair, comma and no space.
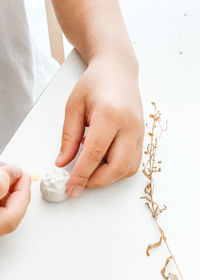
149,169
169,250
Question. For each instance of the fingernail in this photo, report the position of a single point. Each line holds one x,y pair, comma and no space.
17,172
76,191
59,158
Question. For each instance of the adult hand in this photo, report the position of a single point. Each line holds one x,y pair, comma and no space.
14,197
106,99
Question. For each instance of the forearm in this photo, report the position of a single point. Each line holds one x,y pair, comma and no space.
94,27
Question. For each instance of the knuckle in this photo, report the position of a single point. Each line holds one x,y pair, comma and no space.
82,179
112,114
121,170
66,136
125,118
134,170
95,155
132,121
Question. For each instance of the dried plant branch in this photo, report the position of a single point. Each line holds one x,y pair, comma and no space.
152,246
170,275
151,167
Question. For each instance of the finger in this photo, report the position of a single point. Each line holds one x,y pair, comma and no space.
16,205
137,160
9,174
97,142
73,130
2,163
119,160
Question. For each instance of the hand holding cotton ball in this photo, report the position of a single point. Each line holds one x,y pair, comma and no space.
53,185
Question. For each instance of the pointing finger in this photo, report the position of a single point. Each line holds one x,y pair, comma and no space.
97,142
73,130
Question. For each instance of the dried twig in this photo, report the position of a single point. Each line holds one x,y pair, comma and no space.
170,275
151,167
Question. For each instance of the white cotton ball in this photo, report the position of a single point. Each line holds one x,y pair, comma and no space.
53,185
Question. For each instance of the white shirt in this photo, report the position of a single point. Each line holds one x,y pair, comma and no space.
22,71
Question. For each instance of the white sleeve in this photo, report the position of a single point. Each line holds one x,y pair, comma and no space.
16,68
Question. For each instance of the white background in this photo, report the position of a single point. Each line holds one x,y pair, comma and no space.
103,235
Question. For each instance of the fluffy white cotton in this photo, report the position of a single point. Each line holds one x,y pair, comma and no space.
53,185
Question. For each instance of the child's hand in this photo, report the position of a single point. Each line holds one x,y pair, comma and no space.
107,99
14,197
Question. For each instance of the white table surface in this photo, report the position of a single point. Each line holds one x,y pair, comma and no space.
104,233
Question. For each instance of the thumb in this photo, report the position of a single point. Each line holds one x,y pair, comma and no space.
73,130
9,174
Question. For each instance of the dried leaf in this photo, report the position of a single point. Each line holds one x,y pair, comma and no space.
164,268
163,209
152,246
173,276
146,174
148,206
148,190
160,211
150,200
162,233
170,275
149,148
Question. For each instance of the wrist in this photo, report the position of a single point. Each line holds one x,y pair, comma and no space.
126,58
